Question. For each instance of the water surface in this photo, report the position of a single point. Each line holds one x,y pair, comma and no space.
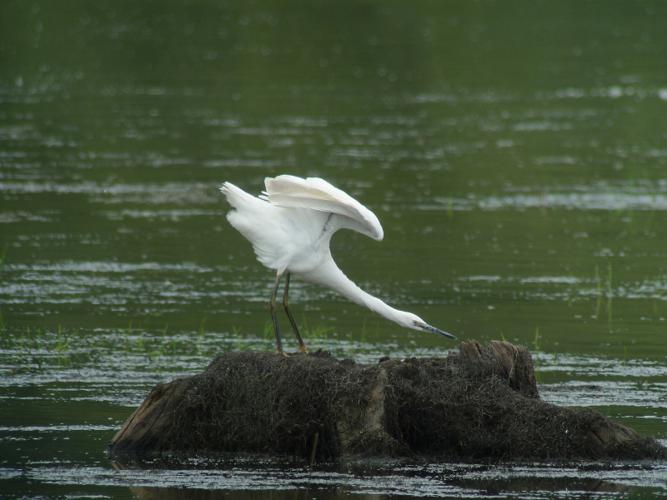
515,154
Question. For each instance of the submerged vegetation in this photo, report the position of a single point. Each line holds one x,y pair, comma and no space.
604,293
3,255
76,348
36,348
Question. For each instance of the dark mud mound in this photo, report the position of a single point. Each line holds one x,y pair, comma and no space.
481,402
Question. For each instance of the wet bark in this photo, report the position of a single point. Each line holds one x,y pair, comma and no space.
481,402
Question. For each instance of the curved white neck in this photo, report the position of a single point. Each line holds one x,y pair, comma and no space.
329,275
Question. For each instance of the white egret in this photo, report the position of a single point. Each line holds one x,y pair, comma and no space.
290,226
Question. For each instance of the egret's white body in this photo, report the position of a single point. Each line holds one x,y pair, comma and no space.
290,227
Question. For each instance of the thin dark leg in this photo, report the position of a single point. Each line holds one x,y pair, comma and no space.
295,329
274,317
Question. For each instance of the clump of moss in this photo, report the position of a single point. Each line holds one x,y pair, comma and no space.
480,402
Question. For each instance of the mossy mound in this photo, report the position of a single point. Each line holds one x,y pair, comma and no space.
478,403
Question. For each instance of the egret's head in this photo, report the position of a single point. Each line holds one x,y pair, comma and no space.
416,323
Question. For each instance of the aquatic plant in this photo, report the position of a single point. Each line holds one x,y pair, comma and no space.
315,332
599,293
609,295
536,339
604,294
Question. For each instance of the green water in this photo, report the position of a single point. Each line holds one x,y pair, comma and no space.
515,153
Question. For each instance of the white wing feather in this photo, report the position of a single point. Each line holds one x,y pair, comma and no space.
317,194
257,221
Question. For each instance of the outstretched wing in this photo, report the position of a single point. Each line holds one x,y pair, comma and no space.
317,194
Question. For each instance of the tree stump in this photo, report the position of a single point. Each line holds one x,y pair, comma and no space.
481,402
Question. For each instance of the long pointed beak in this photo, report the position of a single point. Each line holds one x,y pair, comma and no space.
432,329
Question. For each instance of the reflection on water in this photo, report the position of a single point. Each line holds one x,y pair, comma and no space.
253,477
514,154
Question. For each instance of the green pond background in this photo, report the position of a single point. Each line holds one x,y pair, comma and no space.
515,153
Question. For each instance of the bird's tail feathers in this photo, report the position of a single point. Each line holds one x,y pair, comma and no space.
236,196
